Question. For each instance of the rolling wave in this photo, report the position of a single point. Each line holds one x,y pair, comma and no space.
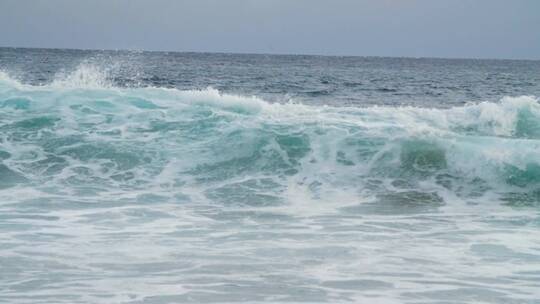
80,135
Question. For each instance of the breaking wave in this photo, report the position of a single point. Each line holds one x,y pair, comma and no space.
80,135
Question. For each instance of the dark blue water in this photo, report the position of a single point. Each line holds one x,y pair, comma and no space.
136,177
309,79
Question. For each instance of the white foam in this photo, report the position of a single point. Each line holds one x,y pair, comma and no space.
86,76
9,80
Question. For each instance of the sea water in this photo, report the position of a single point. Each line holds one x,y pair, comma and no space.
147,177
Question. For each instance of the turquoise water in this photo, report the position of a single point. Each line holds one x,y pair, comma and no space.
148,194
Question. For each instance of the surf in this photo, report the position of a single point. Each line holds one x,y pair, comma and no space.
82,133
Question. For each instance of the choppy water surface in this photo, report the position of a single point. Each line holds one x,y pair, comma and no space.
171,178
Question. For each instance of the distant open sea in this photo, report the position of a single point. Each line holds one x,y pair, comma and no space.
155,177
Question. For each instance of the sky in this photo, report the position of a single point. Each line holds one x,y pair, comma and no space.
397,28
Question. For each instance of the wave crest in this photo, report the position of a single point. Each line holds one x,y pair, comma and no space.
96,134
85,76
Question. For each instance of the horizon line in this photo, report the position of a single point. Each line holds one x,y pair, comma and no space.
259,53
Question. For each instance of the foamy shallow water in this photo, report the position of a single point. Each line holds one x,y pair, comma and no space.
150,195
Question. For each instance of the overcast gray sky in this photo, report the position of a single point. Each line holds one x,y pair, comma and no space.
414,28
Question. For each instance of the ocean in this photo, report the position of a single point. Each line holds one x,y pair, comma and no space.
156,177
